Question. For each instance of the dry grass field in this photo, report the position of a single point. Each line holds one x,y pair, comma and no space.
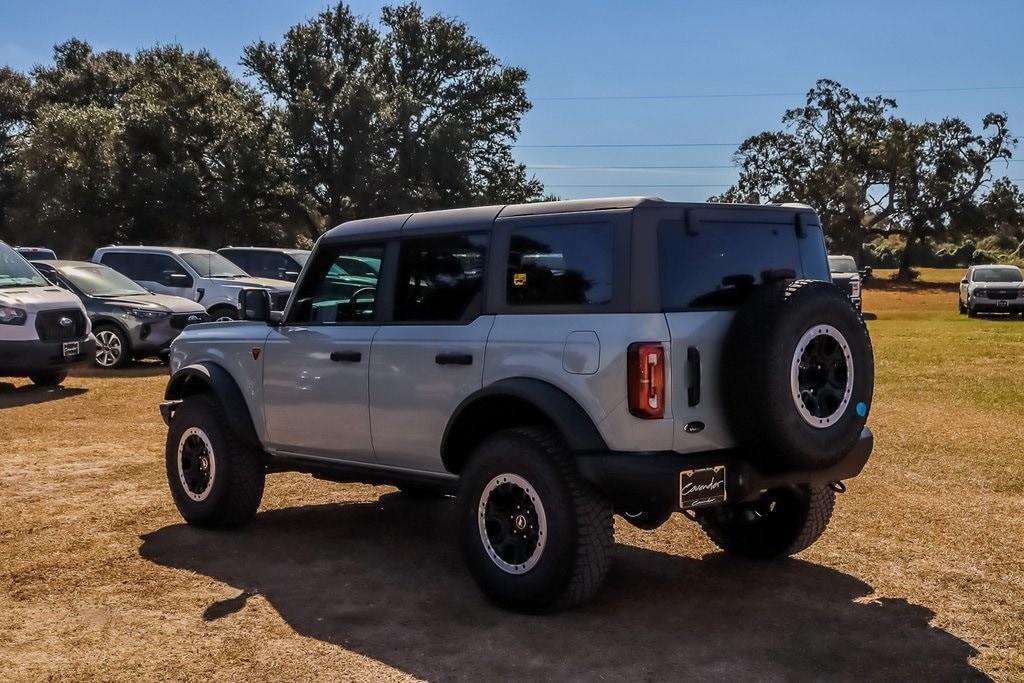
920,576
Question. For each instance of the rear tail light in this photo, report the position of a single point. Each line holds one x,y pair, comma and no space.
646,379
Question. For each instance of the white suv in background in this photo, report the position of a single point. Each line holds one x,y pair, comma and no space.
43,328
198,274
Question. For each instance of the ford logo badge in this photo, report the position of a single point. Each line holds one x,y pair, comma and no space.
66,322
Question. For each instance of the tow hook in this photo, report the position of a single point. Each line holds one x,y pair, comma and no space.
838,487
167,409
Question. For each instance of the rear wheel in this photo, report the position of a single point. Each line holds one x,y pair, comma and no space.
781,522
111,347
535,536
48,378
216,480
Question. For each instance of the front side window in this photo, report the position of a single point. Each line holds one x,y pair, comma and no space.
560,264
440,279
328,294
15,271
212,264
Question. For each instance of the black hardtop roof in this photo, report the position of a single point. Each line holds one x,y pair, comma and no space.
484,216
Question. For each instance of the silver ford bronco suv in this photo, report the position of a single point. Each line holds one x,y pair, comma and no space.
551,365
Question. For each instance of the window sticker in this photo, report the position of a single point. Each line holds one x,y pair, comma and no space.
519,279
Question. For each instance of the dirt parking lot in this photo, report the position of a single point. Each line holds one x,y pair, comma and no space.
920,576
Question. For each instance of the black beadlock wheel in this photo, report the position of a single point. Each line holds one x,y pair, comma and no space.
780,523
797,375
535,536
215,479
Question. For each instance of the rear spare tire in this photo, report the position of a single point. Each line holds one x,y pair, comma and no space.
798,375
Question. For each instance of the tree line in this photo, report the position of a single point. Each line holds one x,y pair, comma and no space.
899,190
342,118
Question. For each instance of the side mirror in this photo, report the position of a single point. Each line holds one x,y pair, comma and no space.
178,280
865,273
254,304
964,281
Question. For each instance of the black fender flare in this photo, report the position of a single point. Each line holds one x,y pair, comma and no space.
212,378
578,431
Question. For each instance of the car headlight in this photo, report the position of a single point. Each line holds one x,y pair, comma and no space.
147,314
12,316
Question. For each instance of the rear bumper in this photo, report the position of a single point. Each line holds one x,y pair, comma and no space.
651,481
22,358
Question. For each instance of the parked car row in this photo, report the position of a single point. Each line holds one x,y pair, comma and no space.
127,302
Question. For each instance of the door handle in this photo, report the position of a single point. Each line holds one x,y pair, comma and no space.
346,356
693,391
454,359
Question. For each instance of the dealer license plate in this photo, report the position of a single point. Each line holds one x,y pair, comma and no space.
71,349
702,487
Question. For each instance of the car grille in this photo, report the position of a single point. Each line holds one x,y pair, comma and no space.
49,328
180,321
278,300
1001,293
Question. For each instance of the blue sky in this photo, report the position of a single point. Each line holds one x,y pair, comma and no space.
583,49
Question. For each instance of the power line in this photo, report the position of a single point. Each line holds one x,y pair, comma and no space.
573,167
604,145
712,96
634,186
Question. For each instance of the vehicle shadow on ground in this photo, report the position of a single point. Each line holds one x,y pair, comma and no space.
385,579
28,394
129,371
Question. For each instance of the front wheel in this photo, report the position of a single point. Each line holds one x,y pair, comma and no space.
216,480
535,536
49,378
971,313
781,522
111,347
961,307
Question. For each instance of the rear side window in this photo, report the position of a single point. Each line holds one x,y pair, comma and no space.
716,264
440,279
560,264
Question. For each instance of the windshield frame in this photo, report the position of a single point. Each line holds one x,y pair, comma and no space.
10,277
195,259
135,288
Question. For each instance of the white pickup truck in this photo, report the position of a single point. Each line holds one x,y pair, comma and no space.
43,329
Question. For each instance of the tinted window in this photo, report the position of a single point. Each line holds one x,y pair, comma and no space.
716,265
143,267
328,294
239,257
272,264
440,278
564,264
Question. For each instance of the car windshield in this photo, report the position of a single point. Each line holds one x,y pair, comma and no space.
101,281
997,275
210,264
842,264
15,271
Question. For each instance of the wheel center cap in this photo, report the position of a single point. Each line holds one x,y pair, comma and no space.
520,522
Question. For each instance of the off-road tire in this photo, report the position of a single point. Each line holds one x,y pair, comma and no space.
971,313
237,486
49,378
793,530
757,385
960,306
577,553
